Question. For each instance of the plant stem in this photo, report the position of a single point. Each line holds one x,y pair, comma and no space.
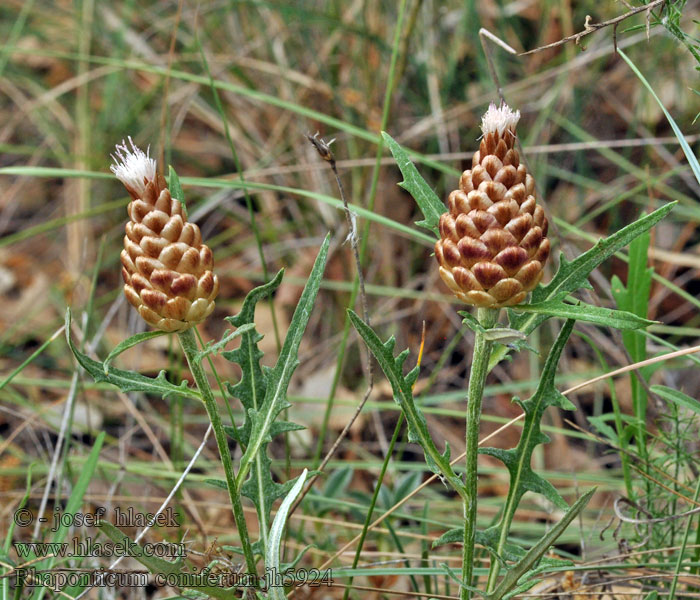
373,501
679,562
477,378
189,346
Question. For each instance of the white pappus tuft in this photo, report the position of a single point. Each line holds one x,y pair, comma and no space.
499,118
133,167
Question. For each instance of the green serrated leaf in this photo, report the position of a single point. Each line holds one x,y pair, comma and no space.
518,460
260,488
403,395
130,343
128,381
250,390
619,319
508,457
471,321
280,427
573,275
262,411
451,536
430,205
509,552
512,577
677,397
176,188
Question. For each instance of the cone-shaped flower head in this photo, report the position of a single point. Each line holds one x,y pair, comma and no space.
167,270
492,245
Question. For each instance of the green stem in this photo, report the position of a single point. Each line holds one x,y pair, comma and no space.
679,563
373,501
477,378
189,346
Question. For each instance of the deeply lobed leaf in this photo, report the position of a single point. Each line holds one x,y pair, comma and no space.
128,381
518,460
265,392
402,386
250,390
431,206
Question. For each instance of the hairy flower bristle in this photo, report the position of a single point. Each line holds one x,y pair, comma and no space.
499,118
133,167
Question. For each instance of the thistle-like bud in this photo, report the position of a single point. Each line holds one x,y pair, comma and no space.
492,245
167,270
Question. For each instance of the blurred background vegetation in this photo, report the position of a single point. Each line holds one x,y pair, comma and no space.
225,91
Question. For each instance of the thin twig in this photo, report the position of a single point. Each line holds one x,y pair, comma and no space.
591,27
651,520
635,366
324,151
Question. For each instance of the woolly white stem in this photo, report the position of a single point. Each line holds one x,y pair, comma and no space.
133,167
499,118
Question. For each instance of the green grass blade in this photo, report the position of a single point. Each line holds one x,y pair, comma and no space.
74,503
692,159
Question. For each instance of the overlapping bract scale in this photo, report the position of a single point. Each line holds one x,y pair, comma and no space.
167,269
493,242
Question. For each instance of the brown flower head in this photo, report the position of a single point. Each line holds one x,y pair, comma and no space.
492,245
167,269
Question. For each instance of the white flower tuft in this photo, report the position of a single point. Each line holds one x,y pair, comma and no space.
133,167
499,119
